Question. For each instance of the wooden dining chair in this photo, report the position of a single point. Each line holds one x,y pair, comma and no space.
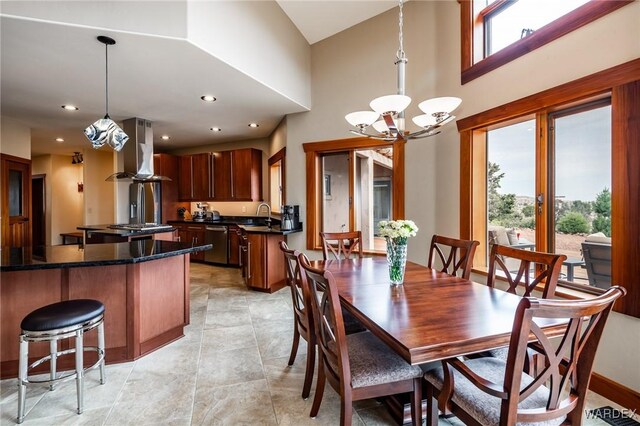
302,316
342,245
358,366
535,268
454,256
489,391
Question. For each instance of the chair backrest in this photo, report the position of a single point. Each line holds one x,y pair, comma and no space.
329,323
458,257
299,296
568,364
597,260
526,277
341,244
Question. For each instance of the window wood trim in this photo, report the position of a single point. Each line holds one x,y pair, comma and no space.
313,152
472,37
623,82
279,156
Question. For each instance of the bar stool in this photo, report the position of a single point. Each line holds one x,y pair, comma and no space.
62,320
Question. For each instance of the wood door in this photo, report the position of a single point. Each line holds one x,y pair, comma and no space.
16,201
201,173
222,175
241,174
185,180
256,267
38,209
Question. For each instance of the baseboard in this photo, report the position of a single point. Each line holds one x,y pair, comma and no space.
620,394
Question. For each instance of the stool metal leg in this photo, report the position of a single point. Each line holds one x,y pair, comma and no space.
53,351
101,352
22,376
80,370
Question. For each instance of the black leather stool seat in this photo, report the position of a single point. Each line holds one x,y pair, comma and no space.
62,315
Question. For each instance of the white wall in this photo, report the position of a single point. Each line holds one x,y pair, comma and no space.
356,65
15,138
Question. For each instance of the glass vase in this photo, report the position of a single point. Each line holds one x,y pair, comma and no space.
397,259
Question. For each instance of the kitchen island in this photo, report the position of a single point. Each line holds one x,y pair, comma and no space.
144,286
98,234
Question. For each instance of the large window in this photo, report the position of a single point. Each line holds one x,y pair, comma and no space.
584,193
351,186
495,32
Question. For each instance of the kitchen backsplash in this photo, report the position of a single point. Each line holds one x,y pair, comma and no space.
231,208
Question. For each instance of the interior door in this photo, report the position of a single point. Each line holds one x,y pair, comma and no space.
16,201
38,211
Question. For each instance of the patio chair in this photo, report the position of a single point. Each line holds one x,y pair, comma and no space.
597,261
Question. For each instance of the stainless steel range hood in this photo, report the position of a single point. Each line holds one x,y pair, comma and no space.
138,153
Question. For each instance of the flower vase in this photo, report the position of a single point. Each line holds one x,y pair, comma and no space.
397,259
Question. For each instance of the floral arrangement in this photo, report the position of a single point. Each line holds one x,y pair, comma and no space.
397,230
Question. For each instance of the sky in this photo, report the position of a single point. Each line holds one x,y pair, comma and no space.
583,155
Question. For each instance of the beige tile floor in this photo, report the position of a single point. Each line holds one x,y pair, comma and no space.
229,369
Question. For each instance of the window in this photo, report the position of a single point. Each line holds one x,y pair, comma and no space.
351,186
277,180
576,168
495,32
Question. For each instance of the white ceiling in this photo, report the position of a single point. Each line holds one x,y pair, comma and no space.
45,65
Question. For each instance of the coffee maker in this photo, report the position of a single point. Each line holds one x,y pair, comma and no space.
290,218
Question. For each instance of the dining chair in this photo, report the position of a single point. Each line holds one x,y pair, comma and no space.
458,257
535,268
358,366
489,391
302,316
341,244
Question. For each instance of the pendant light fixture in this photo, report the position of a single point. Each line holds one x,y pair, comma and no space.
437,111
105,130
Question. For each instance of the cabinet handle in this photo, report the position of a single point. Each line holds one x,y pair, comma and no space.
212,193
240,255
249,259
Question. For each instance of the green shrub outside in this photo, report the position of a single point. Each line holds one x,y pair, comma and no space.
573,223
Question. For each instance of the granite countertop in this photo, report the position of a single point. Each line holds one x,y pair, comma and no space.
251,224
263,229
70,256
105,230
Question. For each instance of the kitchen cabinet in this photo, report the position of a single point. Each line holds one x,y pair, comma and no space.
196,174
263,262
234,245
222,175
246,175
167,165
193,234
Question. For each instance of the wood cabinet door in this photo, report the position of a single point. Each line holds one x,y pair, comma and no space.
185,180
15,210
222,175
234,246
202,178
241,174
255,261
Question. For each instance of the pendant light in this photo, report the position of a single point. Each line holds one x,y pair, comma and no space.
105,130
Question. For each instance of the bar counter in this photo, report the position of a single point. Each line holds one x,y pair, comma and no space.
144,286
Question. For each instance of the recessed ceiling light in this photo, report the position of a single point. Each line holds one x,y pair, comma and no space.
254,125
59,140
70,107
165,137
208,98
215,129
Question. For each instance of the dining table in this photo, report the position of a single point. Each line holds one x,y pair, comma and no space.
430,317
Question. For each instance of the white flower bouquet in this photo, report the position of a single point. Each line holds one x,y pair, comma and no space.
397,229
396,233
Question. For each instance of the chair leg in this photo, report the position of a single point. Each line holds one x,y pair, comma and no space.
102,352
346,410
317,399
308,375
432,407
416,402
22,377
53,351
294,346
80,370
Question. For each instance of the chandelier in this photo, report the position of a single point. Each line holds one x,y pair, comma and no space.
105,130
387,117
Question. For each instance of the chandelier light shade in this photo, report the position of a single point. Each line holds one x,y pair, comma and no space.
387,117
105,130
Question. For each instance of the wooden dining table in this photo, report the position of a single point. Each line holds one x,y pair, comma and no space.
432,316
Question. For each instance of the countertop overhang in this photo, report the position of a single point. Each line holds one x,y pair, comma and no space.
105,230
72,256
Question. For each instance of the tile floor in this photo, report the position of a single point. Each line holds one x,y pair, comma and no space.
230,368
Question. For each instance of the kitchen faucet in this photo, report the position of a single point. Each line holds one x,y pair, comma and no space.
260,206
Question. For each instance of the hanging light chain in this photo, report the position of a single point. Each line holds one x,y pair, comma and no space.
400,53
106,72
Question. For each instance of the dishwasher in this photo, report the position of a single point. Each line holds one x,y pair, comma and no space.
218,237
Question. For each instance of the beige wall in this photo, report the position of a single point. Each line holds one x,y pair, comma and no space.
99,203
278,138
15,138
356,65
